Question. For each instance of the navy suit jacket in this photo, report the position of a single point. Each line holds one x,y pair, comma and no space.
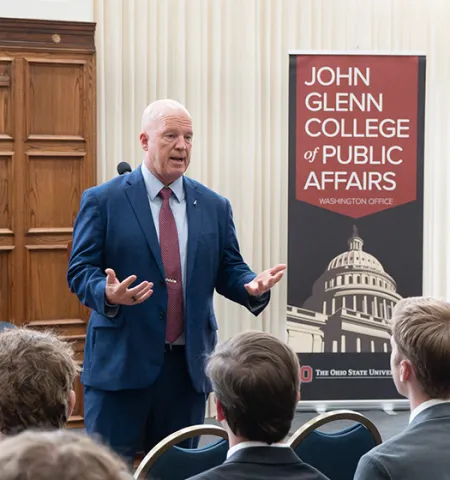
262,463
114,229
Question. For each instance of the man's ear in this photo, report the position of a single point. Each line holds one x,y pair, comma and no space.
71,403
406,371
219,415
144,141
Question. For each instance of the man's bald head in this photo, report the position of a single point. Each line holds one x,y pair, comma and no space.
166,138
160,108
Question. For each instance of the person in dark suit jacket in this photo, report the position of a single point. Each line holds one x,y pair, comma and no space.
419,362
143,370
256,380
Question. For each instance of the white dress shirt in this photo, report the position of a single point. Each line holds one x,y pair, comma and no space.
243,445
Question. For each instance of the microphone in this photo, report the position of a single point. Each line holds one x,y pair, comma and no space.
124,168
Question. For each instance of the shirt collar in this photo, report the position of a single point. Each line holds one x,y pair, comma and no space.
423,406
154,185
243,445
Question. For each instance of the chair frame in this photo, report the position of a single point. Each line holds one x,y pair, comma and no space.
164,445
298,436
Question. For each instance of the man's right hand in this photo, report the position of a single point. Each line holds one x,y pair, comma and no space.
118,293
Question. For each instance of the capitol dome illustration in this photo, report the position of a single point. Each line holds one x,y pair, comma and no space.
350,306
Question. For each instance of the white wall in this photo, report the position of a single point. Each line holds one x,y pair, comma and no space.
70,10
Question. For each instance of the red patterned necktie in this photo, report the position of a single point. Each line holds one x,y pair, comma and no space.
170,252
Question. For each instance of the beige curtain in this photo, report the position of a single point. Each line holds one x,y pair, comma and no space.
216,58
227,61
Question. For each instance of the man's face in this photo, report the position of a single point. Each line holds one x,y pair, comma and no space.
168,142
396,368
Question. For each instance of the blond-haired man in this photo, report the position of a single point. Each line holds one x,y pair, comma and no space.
420,362
37,371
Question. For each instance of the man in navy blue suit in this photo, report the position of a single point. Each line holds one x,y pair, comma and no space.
149,249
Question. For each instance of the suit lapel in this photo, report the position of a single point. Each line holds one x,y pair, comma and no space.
194,209
137,196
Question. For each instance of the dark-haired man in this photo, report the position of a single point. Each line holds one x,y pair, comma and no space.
255,378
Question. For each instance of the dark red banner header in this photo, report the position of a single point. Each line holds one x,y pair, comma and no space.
356,134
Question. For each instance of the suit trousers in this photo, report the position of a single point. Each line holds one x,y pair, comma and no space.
133,420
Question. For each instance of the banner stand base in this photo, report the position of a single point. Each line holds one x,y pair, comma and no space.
322,406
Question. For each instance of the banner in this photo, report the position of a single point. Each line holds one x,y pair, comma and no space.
355,231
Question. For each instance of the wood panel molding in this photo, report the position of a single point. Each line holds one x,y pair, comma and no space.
6,98
55,231
60,322
48,82
57,138
56,246
6,284
47,160
47,35
52,153
6,193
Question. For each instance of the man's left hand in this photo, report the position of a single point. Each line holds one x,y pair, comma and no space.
263,282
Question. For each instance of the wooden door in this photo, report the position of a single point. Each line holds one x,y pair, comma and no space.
47,159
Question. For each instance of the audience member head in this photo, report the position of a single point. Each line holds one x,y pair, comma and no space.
421,349
57,455
37,371
256,380
166,139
